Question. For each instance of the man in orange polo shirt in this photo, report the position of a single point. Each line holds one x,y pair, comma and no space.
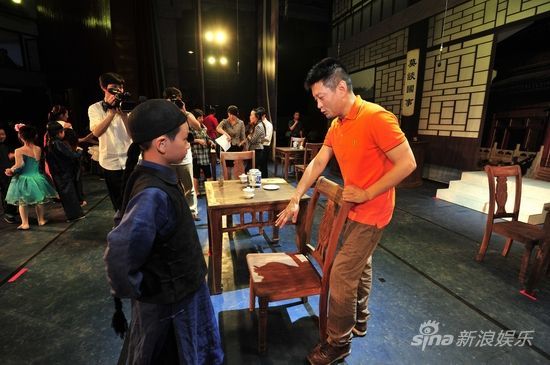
374,156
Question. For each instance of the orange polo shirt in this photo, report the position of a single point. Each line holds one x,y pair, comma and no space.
359,142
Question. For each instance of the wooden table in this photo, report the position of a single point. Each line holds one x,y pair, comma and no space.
229,199
284,153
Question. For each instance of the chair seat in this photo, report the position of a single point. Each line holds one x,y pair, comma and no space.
519,231
280,276
300,167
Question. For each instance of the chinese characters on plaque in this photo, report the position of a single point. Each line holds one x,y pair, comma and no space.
409,82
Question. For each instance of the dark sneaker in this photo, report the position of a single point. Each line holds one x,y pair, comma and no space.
326,354
76,219
360,329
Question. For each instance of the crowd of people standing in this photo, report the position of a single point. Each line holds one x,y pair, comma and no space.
152,160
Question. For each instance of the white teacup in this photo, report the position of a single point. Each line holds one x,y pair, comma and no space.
244,178
248,192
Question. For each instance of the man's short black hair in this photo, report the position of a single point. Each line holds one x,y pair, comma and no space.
172,92
110,78
330,72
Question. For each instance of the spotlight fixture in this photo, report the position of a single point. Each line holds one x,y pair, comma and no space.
223,60
211,60
16,1
221,37
190,52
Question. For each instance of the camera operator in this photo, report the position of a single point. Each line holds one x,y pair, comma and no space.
184,169
108,123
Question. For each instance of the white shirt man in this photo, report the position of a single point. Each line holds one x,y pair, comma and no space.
114,142
268,131
108,124
267,144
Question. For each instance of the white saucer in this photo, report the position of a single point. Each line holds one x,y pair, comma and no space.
271,187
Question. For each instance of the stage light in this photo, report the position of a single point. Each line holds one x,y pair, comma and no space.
221,37
190,52
211,60
223,60
16,1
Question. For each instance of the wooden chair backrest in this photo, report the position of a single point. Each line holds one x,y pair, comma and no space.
300,140
484,153
504,156
311,150
498,191
330,226
238,166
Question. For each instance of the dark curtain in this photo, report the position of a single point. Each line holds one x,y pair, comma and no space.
137,47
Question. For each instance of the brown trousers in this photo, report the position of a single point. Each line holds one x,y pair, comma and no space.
351,281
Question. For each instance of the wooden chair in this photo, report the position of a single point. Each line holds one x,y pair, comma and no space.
292,158
311,150
541,265
238,166
483,156
514,230
281,275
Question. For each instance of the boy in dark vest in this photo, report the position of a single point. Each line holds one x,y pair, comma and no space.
154,255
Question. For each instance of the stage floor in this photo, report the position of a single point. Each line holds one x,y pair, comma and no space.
59,311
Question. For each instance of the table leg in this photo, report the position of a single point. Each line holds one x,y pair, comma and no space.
213,160
287,158
270,218
215,237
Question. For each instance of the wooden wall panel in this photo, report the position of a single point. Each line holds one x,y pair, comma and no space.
460,153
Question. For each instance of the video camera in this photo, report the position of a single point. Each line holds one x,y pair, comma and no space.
120,95
122,99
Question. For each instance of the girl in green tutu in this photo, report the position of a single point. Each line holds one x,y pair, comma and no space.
28,186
